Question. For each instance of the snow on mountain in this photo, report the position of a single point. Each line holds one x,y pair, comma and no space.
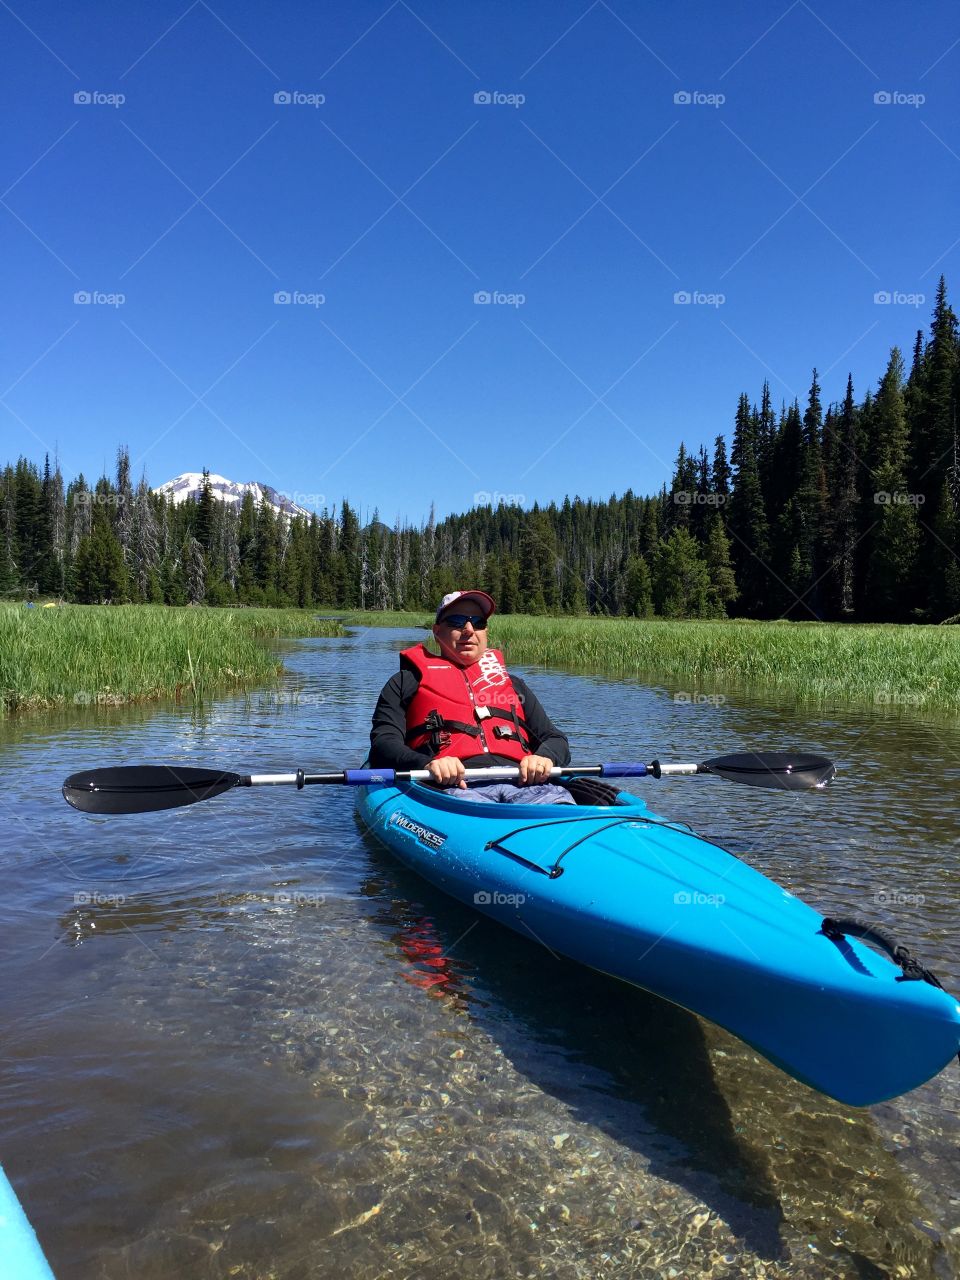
187,487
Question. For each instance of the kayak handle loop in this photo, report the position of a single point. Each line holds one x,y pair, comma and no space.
913,969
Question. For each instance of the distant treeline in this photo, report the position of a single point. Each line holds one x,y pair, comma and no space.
848,513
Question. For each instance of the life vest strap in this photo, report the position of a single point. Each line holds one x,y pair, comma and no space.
435,723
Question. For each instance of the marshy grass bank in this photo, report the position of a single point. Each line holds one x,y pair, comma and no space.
85,655
906,666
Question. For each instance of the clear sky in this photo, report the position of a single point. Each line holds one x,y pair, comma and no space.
383,196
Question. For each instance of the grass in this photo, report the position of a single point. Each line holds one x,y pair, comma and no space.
895,666
103,655
84,655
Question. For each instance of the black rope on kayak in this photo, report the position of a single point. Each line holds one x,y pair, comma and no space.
913,970
497,844
556,870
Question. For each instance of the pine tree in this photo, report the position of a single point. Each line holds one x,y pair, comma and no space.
812,501
720,470
100,575
203,524
683,490
723,582
681,580
123,505
194,569
638,601
842,529
246,550
895,539
9,578
747,518
349,567
144,544
266,554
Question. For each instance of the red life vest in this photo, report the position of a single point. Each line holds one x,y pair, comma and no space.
464,711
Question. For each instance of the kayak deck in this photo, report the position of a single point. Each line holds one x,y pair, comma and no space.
648,901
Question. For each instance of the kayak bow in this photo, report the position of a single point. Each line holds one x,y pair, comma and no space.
652,903
21,1257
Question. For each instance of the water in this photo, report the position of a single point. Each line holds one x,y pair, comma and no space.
240,1041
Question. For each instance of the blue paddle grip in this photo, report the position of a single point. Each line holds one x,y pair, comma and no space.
624,770
359,777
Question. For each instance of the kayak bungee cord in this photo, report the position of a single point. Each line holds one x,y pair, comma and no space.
556,870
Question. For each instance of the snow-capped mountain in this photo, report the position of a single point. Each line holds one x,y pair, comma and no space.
187,487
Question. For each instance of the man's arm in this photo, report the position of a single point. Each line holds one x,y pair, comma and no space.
545,738
388,747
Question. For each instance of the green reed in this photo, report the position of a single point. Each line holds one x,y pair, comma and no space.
894,666
106,655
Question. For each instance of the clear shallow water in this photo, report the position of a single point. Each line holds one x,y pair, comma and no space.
255,1046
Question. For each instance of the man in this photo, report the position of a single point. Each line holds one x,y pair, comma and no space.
461,709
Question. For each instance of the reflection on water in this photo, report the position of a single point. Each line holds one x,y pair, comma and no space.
240,1040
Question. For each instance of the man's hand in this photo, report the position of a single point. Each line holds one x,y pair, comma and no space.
534,769
448,771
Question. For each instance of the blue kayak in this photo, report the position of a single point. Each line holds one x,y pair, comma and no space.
649,901
21,1257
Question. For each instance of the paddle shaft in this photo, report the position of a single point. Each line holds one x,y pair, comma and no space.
494,773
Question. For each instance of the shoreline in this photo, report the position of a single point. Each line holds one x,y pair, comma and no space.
121,655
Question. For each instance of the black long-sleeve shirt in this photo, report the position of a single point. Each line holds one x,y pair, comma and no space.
388,748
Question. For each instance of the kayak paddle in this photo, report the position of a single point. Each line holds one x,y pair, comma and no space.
146,788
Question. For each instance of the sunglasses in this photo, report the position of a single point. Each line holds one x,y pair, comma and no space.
459,620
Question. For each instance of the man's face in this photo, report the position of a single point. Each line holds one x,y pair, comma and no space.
463,645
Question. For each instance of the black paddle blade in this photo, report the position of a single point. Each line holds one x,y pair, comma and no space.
780,770
144,788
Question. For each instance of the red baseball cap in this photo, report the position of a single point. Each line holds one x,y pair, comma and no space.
479,597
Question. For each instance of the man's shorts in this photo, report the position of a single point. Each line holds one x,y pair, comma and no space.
507,793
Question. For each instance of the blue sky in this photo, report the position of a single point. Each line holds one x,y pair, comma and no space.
580,197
